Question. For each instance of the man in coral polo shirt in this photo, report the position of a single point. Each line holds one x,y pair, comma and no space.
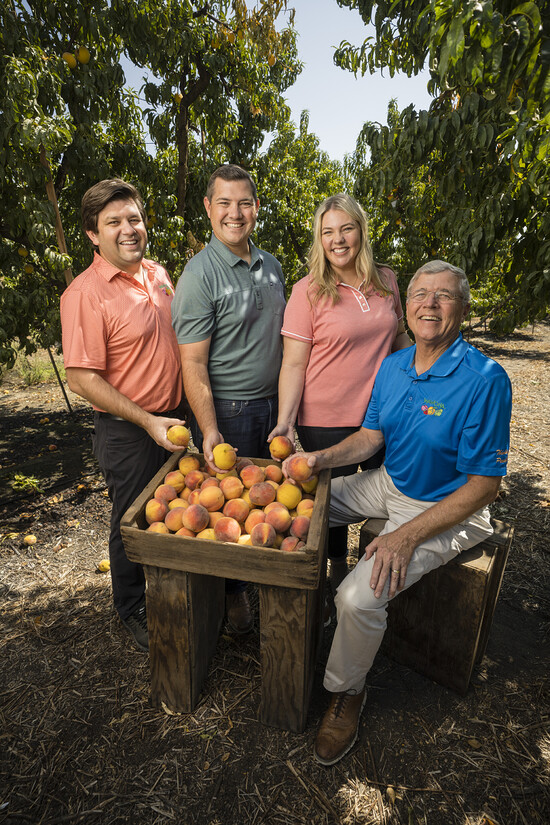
121,354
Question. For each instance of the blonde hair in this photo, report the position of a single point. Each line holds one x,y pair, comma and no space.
323,278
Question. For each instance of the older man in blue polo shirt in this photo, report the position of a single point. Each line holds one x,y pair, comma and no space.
442,409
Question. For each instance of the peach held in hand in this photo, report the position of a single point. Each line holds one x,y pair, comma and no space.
298,468
178,435
281,447
224,456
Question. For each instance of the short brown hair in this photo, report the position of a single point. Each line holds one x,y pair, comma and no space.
102,193
230,171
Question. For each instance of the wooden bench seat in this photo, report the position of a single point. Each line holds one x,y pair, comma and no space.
440,625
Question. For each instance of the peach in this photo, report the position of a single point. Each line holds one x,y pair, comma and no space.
244,539
290,544
155,510
194,479
273,484
246,497
231,487
224,456
300,527
242,462
274,504
262,535
185,532
208,534
227,529
173,519
279,538
255,517
305,507
195,518
214,517
236,508
262,493
298,468
177,502
289,495
310,485
185,493
273,472
157,527
252,474
281,447
165,492
210,482
178,435
194,496
212,498
187,463
176,480
279,518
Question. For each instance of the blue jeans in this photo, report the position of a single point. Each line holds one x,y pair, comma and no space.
245,425
319,438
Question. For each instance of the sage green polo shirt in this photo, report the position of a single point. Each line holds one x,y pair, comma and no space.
240,306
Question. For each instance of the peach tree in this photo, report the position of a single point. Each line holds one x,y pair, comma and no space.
469,178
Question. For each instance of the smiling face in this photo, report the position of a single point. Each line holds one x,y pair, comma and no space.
436,324
121,235
232,212
341,239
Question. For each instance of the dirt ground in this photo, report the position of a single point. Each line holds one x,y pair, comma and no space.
81,744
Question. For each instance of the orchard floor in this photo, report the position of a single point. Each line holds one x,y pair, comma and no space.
81,744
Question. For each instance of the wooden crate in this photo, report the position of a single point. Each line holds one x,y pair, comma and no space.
440,625
186,604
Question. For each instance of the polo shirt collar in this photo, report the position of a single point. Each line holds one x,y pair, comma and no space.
108,271
230,257
446,363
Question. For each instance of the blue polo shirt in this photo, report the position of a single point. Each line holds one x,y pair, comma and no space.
451,421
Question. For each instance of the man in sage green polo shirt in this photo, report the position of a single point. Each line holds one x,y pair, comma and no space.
227,314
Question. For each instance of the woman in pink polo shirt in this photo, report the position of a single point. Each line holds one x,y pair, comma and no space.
340,323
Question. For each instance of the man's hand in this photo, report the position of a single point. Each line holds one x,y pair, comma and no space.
209,441
312,460
393,554
157,428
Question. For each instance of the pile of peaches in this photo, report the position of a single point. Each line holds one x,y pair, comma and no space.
244,504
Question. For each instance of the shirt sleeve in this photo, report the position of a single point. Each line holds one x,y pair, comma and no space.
372,418
193,308
84,332
485,440
298,318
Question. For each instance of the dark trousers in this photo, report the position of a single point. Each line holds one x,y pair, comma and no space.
245,425
128,458
319,438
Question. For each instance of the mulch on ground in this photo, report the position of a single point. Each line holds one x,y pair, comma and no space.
81,744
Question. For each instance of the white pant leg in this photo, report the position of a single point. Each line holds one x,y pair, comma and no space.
362,617
357,497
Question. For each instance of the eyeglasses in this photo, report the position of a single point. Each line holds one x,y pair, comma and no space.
441,296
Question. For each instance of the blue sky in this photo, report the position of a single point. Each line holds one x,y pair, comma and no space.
339,104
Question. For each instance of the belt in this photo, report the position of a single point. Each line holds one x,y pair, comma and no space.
169,414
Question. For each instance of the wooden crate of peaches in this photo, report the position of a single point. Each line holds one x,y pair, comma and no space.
254,524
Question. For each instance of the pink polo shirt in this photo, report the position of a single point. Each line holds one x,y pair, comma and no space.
113,324
349,341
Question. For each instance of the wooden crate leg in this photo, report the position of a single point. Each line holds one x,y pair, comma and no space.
184,615
289,642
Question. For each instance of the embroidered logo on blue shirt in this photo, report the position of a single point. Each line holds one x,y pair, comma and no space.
432,407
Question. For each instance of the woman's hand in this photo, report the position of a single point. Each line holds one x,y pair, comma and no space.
282,429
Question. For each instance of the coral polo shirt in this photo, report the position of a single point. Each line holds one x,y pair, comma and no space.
123,330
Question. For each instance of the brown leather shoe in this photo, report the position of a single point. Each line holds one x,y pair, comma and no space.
338,732
239,615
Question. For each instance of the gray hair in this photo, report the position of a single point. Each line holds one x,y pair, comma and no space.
432,267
